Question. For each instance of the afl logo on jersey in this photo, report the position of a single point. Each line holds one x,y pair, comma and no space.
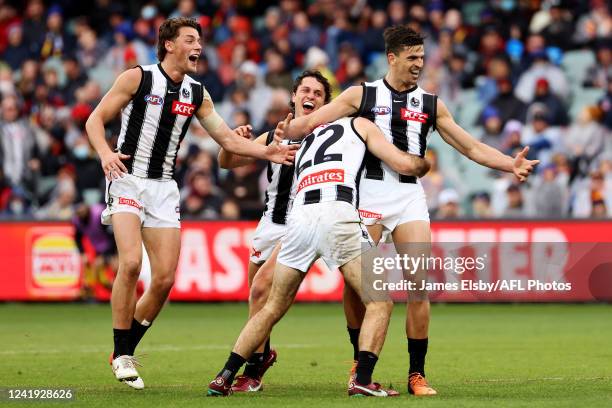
154,99
381,110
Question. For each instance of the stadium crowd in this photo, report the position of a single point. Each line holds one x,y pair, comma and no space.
523,68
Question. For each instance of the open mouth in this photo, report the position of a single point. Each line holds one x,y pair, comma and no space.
308,107
194,58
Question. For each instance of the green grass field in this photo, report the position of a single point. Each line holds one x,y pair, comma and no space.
479,355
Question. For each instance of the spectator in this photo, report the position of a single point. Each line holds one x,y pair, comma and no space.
598,75
555,108
18,50
55,42
241,184
539,136
589,194
203,200
251,81
209,79
75,78
60,206
511,137
514,208
481,205
277,75
186,8
550,196
541,68
34,25
508,105
449,208
373,37
230,210
560,28
303,35
492,132
586,139
18,149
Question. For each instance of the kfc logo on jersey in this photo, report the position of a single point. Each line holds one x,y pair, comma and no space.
407,114
154,99
130,202
325,176
182,108
381,110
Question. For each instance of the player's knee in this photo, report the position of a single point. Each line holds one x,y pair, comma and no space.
259,293
382,307
163,283
130,266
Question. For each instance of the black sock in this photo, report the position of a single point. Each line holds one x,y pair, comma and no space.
266,351
233,364
122,342
365,367
354,336
417,349
253,365
136,332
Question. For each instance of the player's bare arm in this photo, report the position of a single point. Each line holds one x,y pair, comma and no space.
230,141
229,160
109,107
402,162
479,152
346,104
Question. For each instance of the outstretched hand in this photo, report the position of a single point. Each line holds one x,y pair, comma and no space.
522,167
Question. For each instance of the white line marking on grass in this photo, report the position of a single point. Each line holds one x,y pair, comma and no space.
156,348
518,380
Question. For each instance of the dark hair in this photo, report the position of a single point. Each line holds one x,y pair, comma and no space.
399,36
316,75
169,30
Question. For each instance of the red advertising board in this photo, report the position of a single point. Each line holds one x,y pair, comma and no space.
40,261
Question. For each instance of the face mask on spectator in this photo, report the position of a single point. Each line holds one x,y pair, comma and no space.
81,152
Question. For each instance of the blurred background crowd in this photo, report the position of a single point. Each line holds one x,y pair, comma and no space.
513,72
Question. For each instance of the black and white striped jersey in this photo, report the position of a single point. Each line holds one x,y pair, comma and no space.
406,119
279,191
155,122
329,164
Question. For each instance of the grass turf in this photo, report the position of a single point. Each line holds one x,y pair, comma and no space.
479,355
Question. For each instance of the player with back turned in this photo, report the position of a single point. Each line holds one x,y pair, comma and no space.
311,90
157,103
394,203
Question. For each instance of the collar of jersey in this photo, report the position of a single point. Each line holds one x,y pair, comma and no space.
167,76
395,90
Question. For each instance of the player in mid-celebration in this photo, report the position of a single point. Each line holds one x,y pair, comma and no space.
311,90
324,223
394,202
157,103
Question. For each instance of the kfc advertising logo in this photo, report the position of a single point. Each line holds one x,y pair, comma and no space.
182,108
325,176
407,114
